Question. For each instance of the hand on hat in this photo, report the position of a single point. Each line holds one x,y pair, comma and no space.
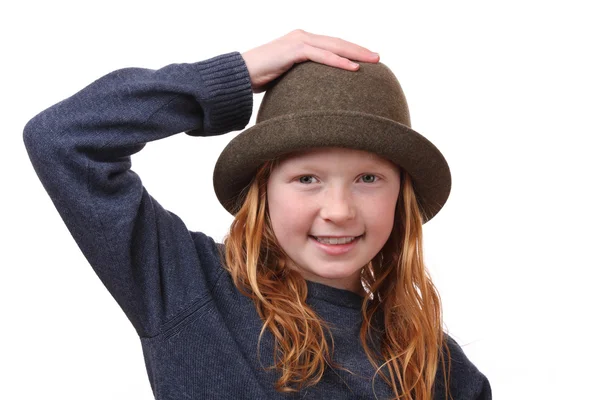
270,60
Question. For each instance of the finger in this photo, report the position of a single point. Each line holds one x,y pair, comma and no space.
328,58
341,47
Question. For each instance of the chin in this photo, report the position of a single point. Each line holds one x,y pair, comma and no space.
337,272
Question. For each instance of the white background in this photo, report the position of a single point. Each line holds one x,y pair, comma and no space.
508,92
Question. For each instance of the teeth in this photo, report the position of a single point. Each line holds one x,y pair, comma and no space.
335,240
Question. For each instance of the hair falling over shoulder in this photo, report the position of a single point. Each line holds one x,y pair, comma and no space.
402,306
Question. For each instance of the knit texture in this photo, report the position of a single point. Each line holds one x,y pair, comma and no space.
199,334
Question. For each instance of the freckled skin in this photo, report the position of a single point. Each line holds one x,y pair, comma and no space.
332,192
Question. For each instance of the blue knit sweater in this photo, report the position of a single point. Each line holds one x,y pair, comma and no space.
199,334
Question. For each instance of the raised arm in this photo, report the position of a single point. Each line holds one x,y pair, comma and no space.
81,148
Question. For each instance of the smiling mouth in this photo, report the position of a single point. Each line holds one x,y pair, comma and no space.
336,240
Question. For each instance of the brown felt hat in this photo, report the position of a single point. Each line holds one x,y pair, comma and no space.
314,105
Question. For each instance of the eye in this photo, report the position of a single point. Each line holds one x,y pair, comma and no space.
369,178
306,179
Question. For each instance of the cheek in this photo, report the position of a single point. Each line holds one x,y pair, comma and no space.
380,219
289,217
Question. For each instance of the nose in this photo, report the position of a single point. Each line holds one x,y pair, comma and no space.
337,206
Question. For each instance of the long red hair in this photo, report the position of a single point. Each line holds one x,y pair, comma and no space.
399,290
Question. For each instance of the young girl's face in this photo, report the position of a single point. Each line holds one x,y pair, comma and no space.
332,210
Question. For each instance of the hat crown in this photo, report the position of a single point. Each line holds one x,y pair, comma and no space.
310,87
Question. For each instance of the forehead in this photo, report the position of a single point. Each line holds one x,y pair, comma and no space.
327,155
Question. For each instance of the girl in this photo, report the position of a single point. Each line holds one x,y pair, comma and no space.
319,290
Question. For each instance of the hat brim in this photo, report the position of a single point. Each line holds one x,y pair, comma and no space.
270,139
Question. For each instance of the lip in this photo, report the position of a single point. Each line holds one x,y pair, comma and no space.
336,249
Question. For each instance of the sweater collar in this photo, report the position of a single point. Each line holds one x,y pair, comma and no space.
340,297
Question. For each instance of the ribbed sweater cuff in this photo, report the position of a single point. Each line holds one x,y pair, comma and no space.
226,92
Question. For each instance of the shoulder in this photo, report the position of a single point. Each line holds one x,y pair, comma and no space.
465,380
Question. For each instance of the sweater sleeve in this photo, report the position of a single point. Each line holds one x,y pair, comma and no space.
81,151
